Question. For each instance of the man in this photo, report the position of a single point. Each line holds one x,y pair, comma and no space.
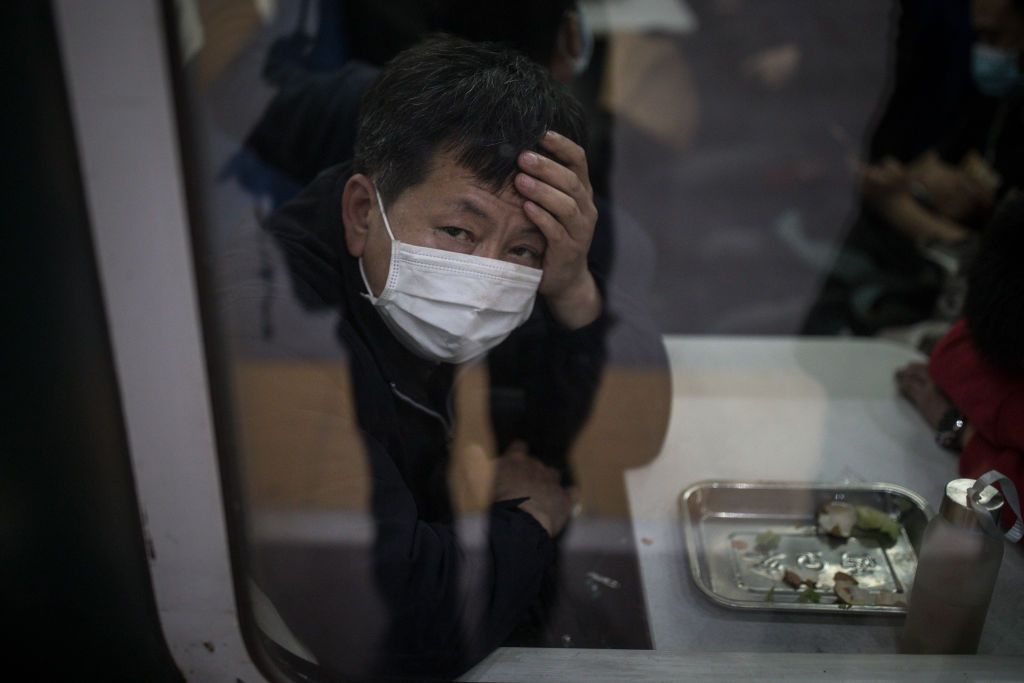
374,33
941,198
311,122
467,203
946,190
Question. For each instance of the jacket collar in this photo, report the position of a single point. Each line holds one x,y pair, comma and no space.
415,377
426,382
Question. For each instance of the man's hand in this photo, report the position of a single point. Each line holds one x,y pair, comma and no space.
560,203
955,192
904,198
519,475
916,385
882,181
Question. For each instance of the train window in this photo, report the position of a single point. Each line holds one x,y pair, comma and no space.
562,324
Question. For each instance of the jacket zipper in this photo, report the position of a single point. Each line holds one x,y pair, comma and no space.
419,406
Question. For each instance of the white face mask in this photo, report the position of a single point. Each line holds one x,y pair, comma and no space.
450,307
581,61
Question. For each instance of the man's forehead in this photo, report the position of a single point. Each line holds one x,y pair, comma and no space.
460,187
451,186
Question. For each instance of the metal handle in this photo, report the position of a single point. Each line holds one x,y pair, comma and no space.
1009,495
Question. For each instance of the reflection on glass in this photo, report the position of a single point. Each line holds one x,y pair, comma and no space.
449,389
418,307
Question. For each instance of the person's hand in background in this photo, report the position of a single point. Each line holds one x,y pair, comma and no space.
519,475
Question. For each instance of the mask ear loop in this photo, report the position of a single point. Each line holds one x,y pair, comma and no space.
384,215
368,294
985,516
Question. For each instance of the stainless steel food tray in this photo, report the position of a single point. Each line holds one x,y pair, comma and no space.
722,519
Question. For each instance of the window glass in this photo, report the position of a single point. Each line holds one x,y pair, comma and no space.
673,379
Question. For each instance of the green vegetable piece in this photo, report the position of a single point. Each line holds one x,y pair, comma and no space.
767,541
770,595
871,519
809,595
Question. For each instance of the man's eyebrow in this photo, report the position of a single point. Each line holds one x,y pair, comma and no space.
528,230
470,207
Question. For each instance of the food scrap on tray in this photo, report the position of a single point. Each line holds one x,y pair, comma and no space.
839,520
850,593
767,541
804,548
842,520
797,578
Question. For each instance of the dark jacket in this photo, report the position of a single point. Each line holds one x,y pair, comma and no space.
446,608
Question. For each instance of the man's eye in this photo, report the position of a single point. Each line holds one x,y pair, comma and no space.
526,253
457,233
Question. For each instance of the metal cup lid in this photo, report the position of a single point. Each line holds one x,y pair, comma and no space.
957,509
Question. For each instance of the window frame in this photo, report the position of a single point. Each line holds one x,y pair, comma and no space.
117,58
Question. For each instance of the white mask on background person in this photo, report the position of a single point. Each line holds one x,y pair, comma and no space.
450,307
581,61
995,70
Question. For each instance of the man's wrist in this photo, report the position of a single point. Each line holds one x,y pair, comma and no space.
579,305
949,431
532,509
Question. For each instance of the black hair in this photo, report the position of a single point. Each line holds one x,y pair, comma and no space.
481,102
529,26
994,307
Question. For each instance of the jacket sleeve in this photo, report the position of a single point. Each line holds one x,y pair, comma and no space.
450,601
544,378
991,401
385,594
543,382
360,579
311,122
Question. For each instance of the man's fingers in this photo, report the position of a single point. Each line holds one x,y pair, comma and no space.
914,382
558,203
555,174
553,231
567,151
518,447
892,164
912,368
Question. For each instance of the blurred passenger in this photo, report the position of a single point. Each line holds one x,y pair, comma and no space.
373,32
972,389
931,78
310,124
883,275
467,197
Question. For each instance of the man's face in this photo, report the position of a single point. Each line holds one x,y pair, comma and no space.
998,23
449,210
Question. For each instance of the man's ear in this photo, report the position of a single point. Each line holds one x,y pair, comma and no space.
357,202
568,46
572,30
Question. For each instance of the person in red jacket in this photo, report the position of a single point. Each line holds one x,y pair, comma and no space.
972,389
